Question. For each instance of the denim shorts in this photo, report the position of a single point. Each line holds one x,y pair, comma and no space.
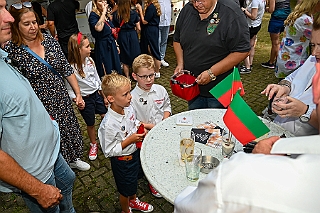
275,26
94,104
126,174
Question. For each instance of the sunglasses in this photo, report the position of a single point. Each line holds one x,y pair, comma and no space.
20,5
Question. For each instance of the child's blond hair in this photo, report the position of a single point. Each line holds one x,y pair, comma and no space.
142,61
112,82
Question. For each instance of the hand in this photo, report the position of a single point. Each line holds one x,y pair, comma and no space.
293,108
134,138
243,9
49,196
80,102
279,90
178,69
264,146
203,78
139,8
104,8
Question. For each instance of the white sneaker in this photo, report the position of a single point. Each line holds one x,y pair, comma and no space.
164,63
157,75
79,164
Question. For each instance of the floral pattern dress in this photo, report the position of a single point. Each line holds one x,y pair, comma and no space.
52,92
294,47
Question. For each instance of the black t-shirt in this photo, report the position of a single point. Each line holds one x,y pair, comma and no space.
37,8
201,50
63,13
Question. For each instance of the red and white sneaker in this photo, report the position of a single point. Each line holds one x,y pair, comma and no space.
154,192
141,206
93,153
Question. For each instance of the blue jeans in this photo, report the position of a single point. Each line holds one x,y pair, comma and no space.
201,102
63,178
163,37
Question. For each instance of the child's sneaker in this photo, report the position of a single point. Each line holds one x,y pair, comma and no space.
154,192
93,153
141,206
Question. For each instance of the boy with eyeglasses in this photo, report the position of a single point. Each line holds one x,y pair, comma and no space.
150,101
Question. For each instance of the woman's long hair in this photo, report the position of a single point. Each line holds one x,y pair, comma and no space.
304,7
155,3
74,56
124,7
95,8
17,14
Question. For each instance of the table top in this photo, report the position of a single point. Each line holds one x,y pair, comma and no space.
161,146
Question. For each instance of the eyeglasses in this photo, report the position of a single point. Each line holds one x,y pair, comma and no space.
19,5
145,77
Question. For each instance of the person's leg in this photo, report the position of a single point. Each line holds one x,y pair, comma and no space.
198,102
275,47
124,203
64,178
253,42
163,38
126,70
214,103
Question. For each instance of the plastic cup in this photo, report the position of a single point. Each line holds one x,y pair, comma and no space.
186,144
192,163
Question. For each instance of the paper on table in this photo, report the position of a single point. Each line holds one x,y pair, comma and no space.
184,120
297,145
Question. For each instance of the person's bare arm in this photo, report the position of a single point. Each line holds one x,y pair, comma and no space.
12,173
52,28
74,84
272,6
253,15
179,56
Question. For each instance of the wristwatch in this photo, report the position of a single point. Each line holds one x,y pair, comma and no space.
306,116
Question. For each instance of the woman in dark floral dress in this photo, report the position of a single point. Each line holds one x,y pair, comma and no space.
48,86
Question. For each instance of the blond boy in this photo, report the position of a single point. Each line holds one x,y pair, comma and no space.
118,137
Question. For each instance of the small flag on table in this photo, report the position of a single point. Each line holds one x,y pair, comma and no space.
225,90
242,122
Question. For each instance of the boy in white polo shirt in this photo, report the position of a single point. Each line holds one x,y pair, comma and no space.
151,101
118,137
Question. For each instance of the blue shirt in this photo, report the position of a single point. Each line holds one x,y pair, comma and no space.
26,131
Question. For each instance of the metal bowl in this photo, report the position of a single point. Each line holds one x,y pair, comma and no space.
208,163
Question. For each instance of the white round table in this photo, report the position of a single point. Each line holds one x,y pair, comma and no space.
160,149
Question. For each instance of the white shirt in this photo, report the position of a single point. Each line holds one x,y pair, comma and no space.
90,83
165,17
88,8
257,183
150,106
114,129
260,5
301,89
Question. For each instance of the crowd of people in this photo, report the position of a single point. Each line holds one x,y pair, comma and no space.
46,66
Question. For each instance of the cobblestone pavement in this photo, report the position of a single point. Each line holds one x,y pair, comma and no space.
95,190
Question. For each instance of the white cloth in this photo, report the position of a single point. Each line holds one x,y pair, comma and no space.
150,106
257,183
301,89
114,129
165,17
90,83
255,4
88,8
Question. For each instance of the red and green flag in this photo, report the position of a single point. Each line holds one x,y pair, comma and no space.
225,90
242,122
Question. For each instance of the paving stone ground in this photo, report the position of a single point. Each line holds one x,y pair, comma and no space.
95,190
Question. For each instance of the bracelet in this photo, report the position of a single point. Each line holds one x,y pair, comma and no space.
285,83
212,76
